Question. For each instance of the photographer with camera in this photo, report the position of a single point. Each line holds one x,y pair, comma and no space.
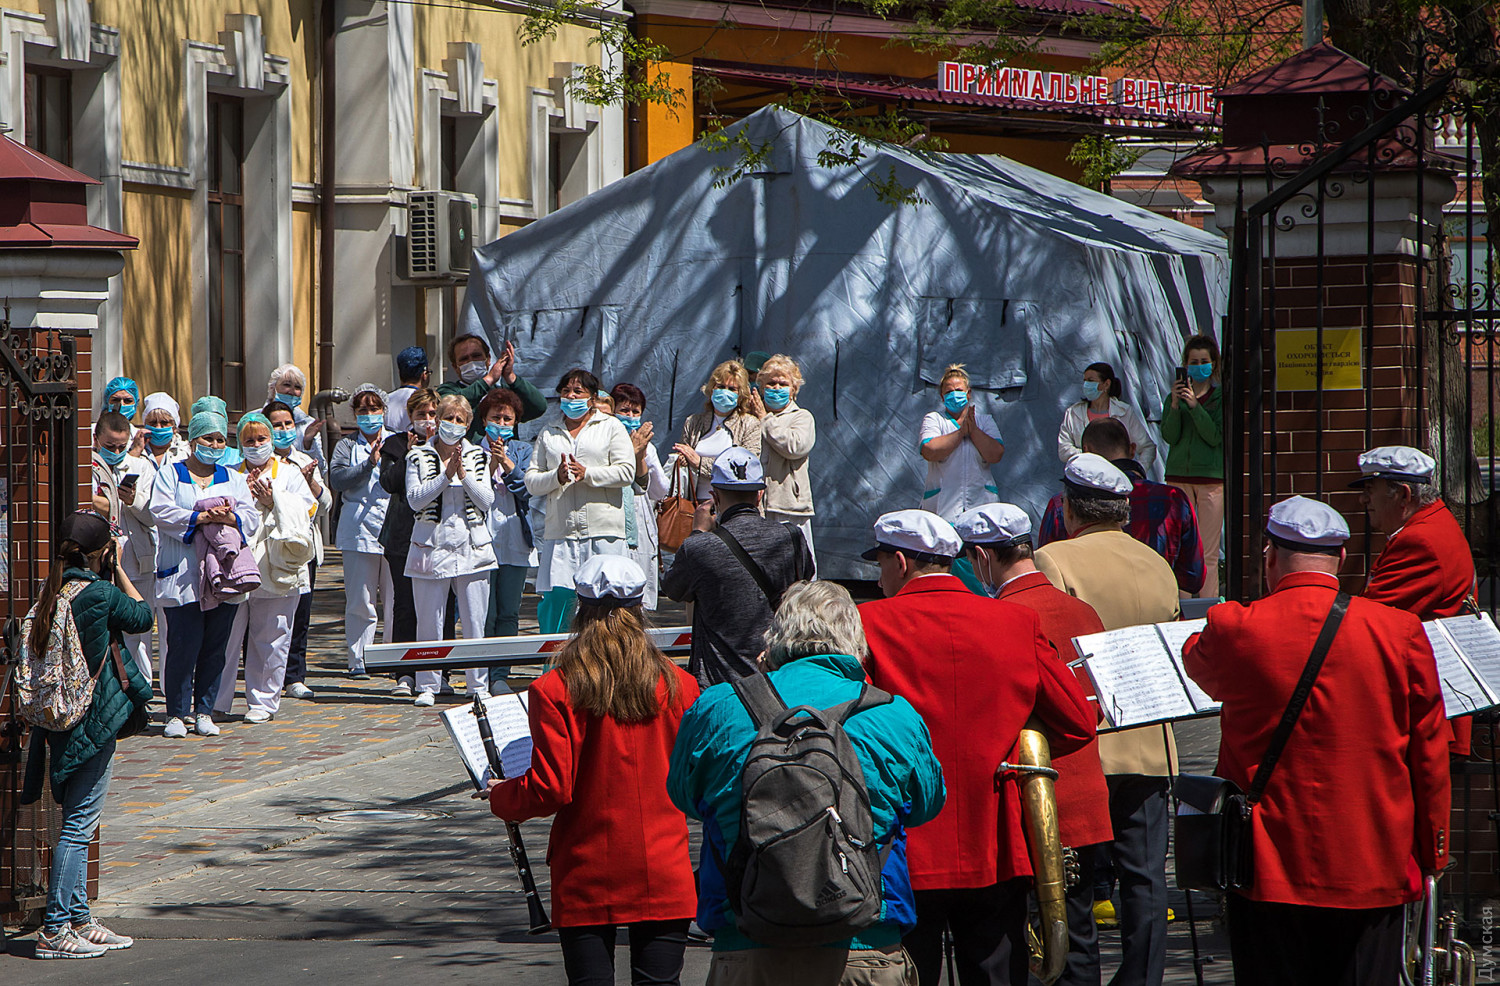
1192,425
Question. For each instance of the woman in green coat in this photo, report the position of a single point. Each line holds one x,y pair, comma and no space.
1192,424
104,608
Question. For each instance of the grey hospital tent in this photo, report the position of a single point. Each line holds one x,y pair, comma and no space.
1022,276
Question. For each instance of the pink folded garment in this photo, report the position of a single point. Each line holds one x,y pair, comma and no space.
226,566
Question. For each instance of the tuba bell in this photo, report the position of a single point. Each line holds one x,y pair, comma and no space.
1048,943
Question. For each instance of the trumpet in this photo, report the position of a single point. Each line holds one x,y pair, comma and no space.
1048,943
1442,959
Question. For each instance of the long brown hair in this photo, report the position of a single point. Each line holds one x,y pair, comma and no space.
69,555
612,668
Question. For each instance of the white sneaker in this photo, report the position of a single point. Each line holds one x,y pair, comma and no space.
257,716
402,689
98,934
174,729
298,690
425,699
66,944
205,726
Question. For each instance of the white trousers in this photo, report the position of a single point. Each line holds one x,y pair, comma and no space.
801,522
365,577
138,645
430,597
263,628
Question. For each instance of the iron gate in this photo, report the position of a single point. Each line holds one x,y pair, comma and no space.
1427,378
39,472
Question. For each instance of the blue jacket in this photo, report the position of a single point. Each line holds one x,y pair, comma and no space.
904,779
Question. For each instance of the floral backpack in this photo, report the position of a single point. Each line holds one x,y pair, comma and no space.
54,688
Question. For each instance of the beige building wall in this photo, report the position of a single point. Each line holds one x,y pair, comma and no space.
140,72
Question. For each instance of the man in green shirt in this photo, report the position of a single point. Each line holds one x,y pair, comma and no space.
469,356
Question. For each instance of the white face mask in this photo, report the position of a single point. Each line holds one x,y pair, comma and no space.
257,455
451,432
469,372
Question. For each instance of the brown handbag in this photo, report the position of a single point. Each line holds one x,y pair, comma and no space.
674,514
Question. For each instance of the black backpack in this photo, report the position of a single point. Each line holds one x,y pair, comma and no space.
805,869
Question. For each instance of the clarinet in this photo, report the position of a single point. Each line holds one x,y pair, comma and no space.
540,924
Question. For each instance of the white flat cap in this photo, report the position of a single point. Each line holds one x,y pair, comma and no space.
610,578
1301,523
1094,475
916,532
994,523
1399,462
738,469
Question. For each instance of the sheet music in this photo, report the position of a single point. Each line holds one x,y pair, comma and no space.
512,729
1478,640
1462,691
1134,677
1176,635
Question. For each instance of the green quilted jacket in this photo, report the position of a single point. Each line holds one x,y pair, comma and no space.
99,611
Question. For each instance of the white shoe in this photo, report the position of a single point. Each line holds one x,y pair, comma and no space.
96,933
298,690
174,729
425,699
205,726
66,944
257,716
402,689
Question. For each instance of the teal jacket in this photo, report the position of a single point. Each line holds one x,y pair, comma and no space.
1195,437
903,777
533,401
100,612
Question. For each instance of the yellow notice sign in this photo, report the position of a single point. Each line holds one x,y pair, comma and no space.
1297,359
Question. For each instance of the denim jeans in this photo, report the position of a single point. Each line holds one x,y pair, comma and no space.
507,584
195,657
82,799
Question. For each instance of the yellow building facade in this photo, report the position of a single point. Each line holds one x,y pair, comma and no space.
210,123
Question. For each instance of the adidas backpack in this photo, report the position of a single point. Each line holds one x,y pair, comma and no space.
54,688
805,869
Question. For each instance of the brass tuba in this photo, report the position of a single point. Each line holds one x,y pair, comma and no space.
1445,962
1048,943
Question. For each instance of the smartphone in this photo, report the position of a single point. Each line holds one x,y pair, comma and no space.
1182,374
130,479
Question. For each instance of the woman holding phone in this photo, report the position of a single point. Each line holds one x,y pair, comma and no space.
1192,425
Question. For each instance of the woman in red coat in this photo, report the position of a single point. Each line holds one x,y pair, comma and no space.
603,723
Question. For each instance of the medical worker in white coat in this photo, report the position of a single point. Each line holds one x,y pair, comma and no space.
960,443
354,472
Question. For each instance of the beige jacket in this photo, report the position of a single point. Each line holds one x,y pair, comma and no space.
743,428
1128,584
589,507
786,440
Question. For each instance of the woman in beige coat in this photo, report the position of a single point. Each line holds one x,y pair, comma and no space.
727,420
787,435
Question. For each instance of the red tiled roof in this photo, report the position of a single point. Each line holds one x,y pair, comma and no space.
1319,69
1390,155
19,161
30,235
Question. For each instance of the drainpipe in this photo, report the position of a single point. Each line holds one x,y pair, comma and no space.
325,203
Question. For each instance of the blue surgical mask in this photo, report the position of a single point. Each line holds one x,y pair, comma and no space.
451,432
112,457
574,407
955,401
207,454
472,370
631,424
1200,371
161,435
283,437
1091,390
369,423
290,400
126,409
776,398
503,432
725,400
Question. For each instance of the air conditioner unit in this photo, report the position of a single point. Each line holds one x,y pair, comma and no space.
438,237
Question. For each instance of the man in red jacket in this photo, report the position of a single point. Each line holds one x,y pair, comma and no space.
997,542
1427,566
1360,793
977,670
